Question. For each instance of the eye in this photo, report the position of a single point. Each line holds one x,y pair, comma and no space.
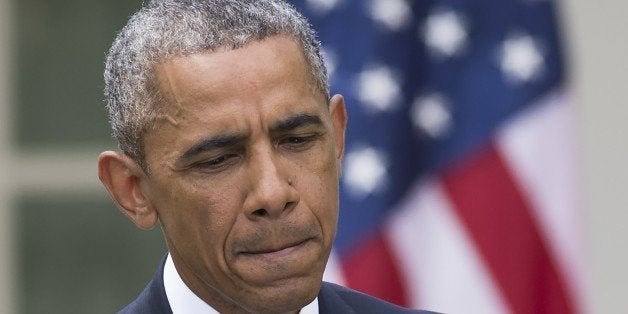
298,142
217,163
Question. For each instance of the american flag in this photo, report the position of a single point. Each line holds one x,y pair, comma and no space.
458,191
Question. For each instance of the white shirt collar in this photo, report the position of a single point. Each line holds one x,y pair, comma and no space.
183,301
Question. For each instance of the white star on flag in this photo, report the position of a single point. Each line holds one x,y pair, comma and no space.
444,33
364,171
431,116
331,60
392,14
378,88
521,60
322,6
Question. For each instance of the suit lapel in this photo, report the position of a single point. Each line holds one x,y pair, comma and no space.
153,299
330,302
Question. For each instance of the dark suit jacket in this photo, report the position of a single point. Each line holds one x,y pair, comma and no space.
331,299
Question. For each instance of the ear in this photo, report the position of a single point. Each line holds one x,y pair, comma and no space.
121,175
339,121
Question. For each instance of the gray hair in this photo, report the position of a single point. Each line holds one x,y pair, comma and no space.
164,29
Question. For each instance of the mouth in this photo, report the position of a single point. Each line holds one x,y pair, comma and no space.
273,252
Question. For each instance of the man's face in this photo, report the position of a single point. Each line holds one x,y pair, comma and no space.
244,158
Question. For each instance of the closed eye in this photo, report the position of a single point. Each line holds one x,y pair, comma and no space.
216,164
298,143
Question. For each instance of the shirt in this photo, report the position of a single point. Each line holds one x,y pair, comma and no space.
183,301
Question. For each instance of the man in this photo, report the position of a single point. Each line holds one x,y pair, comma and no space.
230,141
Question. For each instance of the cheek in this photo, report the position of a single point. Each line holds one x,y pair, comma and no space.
198,216
324,206
319,188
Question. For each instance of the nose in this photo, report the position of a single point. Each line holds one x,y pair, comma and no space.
272,192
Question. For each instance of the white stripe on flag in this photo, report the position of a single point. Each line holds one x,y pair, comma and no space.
539,148
441,267
333,271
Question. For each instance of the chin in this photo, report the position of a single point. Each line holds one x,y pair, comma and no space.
288,297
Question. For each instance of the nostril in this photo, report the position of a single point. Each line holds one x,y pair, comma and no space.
290,205
260,212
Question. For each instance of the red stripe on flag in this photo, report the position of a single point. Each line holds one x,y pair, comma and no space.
499,220
372,269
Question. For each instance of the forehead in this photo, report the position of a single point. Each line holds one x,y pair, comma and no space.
230,72
233,89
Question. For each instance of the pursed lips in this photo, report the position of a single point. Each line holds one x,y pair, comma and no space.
276,251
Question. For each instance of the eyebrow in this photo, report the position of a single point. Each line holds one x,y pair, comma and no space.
296,121
220,141
229,140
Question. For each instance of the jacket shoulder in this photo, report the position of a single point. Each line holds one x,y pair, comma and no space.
153,299
337,299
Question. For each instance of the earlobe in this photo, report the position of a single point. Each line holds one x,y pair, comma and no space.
121,176
339,120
